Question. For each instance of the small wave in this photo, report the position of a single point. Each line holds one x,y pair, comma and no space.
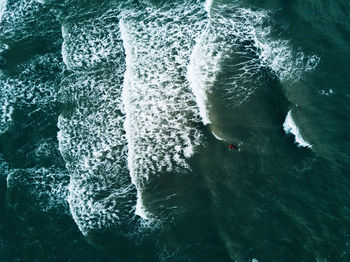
217,137
290,127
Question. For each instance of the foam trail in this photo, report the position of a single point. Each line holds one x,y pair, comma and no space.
237,45
161,114
289,126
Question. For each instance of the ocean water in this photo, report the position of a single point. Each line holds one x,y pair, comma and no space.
116,116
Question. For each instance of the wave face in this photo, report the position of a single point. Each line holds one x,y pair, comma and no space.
233,53
162,118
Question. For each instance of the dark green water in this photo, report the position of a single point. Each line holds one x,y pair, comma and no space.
115,121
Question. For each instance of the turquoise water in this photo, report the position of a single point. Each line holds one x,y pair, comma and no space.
115,121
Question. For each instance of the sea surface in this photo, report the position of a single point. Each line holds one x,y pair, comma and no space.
115,121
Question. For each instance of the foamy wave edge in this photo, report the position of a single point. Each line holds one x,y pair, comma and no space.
290,127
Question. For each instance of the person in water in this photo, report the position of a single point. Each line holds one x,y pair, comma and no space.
233,147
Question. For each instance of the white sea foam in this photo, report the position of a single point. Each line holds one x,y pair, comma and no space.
5,115
90,44
4,168
92,142
326,93
140,209
237,42
2,8
26,19
207,6
91,137
31,87
45,188
289,126
161,113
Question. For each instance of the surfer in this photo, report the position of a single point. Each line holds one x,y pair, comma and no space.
233,147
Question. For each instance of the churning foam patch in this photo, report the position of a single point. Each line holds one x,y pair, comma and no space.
207,6
89,44
92,142
45,188
91,137
4,168
34,86
6,111
161,113
3,4
237,44
27,19
290,127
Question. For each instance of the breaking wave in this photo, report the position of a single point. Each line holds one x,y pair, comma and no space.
91,137
290,127
162,118
234,51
